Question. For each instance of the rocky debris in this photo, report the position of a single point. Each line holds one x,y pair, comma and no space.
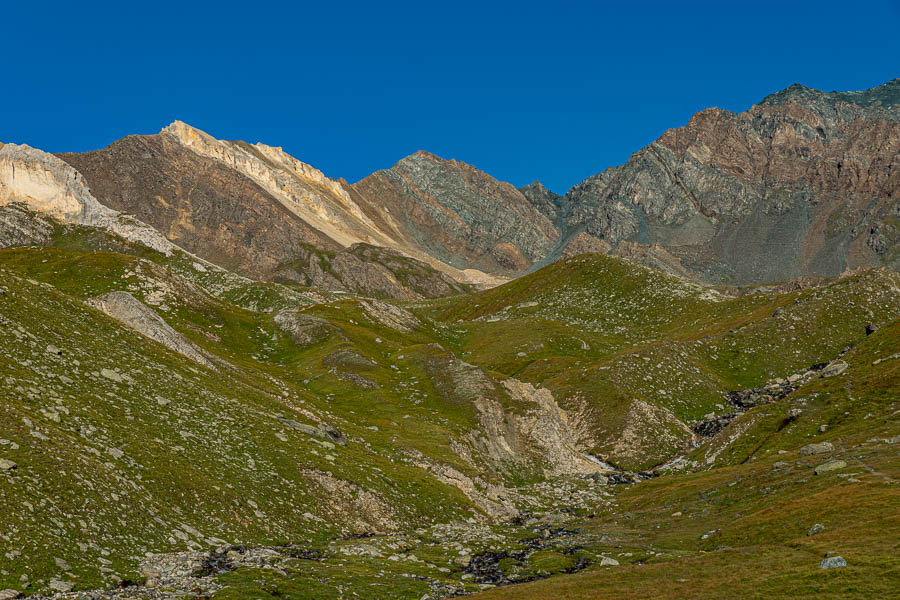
347,365
815,529
20,226
384,272
306,330
744,400
834,368
817,448
60,586
794,413
713,425
390,315
832,465
322,430
872,328
833,562
127,309
111,375
10,594
353,505
747,399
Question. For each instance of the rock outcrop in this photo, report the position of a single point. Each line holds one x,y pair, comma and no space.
458,214
803,183
251,209
45,184
124,307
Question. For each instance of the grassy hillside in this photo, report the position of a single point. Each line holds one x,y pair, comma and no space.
741,528
396,450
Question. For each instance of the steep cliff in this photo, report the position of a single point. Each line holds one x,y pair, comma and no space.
251,209
458,214
803,183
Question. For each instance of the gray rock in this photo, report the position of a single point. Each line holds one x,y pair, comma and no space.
111,375
127,309
7,465
609,562
834,562
51,349
61,586
819,448
832,465
817,528
10,594
834,368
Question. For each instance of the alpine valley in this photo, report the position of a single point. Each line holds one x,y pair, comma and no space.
226,375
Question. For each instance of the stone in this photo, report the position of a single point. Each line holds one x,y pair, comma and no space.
817,528
835,367
111,375
832,465
833,562
818,448
7,465
127,309
608,562
61,586
10,594
51,349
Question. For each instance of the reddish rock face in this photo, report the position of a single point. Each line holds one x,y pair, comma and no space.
803,183
221,215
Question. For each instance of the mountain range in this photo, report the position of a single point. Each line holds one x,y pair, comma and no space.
802,184
225,375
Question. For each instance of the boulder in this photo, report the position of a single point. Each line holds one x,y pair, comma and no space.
834,368
833,562
61,586
832,465
817,528
819,448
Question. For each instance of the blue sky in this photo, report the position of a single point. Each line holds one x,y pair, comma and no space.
524,90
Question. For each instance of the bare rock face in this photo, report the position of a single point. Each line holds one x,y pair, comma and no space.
251,209
305,330
124,307
458,214
22,227
803,183
45,184
549,204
